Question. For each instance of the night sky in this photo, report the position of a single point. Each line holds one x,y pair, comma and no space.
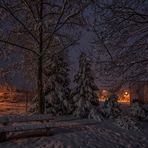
84,45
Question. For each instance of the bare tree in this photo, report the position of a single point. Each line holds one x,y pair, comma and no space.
39,27
121,29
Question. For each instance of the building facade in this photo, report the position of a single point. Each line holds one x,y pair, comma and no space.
139,91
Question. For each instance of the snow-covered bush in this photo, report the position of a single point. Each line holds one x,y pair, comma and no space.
127,123
84,96
111,108
34,105
95,114
137,111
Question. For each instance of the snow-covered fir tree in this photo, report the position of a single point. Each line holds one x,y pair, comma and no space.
84,96
57,85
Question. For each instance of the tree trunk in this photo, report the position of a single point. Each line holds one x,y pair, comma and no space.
40,64
40,87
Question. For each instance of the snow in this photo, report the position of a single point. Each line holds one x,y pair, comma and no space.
98,135
139,112
51,124
111,108
126,122
73,133
24,118
94,114
56,85
84,96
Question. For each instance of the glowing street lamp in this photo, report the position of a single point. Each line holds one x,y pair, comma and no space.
126,93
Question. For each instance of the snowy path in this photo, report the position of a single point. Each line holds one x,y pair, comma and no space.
99,135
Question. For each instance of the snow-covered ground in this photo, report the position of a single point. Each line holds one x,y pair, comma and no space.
97,135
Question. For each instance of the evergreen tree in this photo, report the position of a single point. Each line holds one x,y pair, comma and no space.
84,96
57,85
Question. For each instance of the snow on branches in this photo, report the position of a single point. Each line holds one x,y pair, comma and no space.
111,107
57,86
137,111
84,96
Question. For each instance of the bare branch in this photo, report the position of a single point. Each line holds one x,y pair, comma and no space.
16,45
18,20
30,8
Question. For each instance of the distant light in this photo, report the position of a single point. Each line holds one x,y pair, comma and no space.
104,91
126,93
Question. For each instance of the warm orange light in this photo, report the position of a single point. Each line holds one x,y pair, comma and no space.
7,92
124,97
